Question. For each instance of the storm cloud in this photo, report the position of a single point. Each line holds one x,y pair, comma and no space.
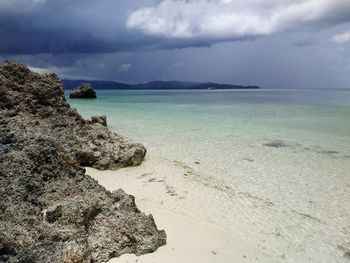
88,26
74,26
237,41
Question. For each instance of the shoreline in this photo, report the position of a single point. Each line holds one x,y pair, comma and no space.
207,220
226,190
180,206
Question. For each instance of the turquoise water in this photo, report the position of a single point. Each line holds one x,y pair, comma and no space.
266,112
225,138
223,129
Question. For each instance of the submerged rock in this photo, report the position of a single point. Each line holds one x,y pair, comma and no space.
50,210
276,144
84,90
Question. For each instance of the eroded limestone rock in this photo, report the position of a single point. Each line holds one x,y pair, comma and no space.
50,210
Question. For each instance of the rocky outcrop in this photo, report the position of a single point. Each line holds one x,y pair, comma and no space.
83,91
35,104
50,210
98,119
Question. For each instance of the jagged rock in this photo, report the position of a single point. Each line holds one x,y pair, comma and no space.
50,210
83,91
35,104
99,119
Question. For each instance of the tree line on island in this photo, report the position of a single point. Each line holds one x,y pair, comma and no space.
155,85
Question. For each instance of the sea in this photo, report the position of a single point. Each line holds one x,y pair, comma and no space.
286,150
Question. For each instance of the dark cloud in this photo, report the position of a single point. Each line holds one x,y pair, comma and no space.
89,26
28,27
245,42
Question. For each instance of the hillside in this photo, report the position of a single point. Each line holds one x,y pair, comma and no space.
154,85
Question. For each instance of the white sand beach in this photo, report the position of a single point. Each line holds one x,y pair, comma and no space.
181,205
207,221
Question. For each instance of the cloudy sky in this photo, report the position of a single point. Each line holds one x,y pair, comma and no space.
271,43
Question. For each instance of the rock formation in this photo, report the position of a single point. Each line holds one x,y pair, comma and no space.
35,104
50,210
83,91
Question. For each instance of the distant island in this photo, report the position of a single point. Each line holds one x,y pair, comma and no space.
154,85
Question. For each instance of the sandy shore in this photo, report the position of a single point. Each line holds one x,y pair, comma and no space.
180,204
207,220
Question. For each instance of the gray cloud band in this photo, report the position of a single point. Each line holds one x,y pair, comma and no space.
113,26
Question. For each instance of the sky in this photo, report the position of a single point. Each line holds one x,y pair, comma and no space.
270,43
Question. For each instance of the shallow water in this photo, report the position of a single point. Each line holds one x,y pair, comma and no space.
287,150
